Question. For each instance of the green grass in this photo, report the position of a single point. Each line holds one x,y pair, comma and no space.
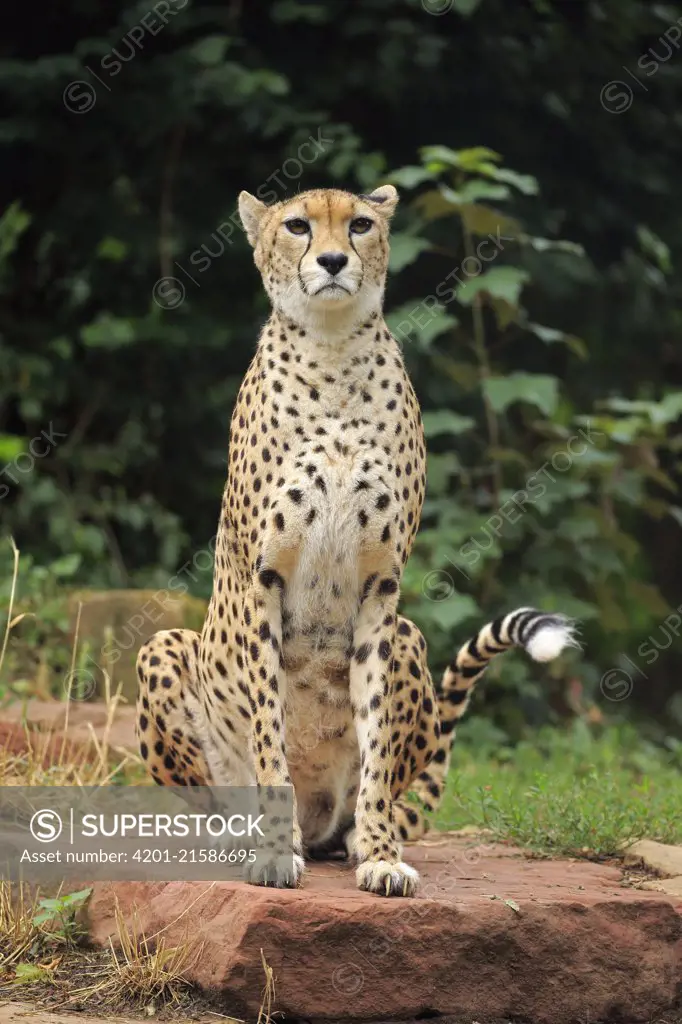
568,791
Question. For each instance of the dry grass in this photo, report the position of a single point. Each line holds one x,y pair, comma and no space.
267,999
11,623
158,972
135,972
18,932
139,970
32,758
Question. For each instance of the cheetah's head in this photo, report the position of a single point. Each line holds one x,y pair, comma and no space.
323,255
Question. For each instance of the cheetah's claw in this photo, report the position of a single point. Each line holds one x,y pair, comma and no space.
284,871
385,879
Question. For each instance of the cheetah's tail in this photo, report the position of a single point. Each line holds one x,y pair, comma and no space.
544,636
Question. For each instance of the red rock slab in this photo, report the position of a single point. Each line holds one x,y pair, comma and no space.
574,944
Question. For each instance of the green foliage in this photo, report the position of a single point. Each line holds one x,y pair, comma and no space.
506,157
536,389
568,792
29,974
39,648
63,911
544,488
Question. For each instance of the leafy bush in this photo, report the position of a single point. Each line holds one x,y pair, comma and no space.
545,489
115,399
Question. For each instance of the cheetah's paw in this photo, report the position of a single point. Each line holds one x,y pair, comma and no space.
385,879
283,871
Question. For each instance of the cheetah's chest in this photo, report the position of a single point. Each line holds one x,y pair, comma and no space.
323,594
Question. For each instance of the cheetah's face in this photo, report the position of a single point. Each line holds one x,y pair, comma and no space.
323,252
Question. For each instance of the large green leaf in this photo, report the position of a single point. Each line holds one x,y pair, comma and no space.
500,282
473,191
525,183
444,421
405,249
449,608
535,389
418,320
409,177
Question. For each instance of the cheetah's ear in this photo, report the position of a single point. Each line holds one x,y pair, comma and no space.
251,211
386,199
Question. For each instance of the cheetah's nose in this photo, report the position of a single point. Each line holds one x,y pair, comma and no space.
332,261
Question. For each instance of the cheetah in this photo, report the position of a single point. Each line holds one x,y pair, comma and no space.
304,674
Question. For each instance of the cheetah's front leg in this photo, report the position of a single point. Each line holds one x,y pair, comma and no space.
262,653
376,846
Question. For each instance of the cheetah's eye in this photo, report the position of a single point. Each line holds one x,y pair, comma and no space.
360,225
298,226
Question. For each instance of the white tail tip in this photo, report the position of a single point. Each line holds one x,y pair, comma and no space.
551,640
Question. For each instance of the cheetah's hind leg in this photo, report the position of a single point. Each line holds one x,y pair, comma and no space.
166,726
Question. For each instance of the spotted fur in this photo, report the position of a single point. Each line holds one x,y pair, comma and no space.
304,673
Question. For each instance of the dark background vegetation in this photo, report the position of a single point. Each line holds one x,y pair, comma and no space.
578,325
